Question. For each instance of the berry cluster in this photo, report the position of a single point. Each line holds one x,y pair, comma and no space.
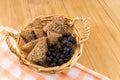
51,54
56,56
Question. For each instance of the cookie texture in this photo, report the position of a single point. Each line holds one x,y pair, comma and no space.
28,35
38,52
57,25
52,36
39,33
29,46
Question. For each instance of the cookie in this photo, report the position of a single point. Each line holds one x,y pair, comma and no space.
39,33
28,35
52,36
39,51
29,46
32,34
57,25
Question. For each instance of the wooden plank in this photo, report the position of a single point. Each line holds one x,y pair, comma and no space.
104,41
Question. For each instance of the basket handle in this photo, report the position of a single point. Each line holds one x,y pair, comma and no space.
16,51
83,31
84,37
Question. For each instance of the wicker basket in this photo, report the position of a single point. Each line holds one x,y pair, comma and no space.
79,29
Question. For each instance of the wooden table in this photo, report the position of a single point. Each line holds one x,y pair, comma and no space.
102,51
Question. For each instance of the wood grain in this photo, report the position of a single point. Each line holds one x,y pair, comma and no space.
102,51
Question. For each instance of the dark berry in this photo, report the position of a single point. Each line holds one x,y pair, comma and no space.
69,44
40,63
50,46
60,61
48,59
62,45
60,39
57,56
62,56
66,49
70,39
68,34
64,42
51,57
70,48
65,38
56,47
66,59
60,49
65,52
69,56
71,52
48,53
51,50
74,41
64,35
53,64
54,54
55,60
54,43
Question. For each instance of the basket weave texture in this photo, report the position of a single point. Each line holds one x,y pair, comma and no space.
78,27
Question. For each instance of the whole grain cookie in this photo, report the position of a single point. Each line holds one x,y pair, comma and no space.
28,35
52,36
39,33
29,46
57,25
39,51
32,34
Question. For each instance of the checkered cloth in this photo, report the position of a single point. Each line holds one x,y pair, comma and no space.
11,69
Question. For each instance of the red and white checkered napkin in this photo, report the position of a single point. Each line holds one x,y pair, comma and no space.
11,69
